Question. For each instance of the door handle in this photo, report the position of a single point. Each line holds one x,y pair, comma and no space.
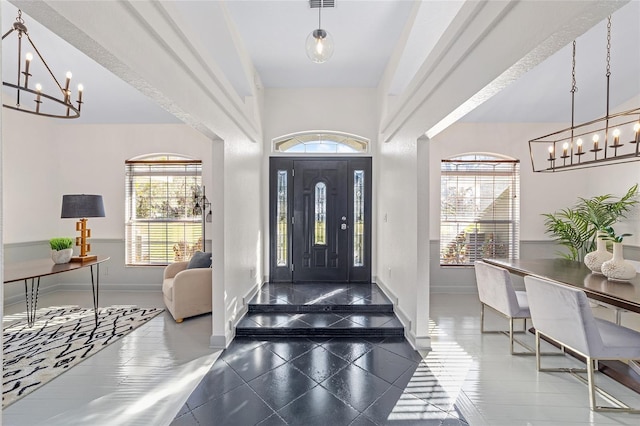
343,226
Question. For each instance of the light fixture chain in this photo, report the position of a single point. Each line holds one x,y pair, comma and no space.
574,88
609,47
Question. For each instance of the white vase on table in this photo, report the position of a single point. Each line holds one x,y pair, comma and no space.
595,259
617,268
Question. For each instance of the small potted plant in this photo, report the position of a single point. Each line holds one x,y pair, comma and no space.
61,249
617,268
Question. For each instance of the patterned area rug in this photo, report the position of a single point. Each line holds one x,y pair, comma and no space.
61,337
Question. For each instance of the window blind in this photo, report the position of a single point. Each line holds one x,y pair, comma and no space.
479,212
162,224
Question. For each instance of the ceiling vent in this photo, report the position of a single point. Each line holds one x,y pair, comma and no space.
314,4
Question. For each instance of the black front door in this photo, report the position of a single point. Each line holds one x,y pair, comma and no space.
320,233
320,219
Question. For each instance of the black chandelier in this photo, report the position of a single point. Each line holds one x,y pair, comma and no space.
611,139
34,100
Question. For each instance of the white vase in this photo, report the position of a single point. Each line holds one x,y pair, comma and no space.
595,259
61,256
617,268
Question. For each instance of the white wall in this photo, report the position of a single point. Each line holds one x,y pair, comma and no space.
242,233
44,160
295,110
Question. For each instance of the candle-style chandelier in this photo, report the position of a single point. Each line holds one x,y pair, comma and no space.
34,100
613,138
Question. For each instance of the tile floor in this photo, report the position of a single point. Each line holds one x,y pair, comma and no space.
148,376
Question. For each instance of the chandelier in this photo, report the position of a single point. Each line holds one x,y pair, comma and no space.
33,99
611,139
319,45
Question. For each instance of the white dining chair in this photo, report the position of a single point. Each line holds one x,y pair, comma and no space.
562,315
496,291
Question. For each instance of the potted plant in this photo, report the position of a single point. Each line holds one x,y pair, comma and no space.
576,228
61,249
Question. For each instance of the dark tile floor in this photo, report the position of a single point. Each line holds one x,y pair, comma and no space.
300,381
312,380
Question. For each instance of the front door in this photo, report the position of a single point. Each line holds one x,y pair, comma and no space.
320,220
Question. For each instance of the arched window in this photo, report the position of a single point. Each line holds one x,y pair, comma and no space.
321,143
163,217
479,208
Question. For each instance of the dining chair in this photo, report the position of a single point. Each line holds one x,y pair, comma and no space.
496,291
562,314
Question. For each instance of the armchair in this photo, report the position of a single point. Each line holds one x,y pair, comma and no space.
186,292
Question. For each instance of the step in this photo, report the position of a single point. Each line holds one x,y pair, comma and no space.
319,324
304,298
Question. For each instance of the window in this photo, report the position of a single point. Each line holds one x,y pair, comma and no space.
163,224
320,234
358,218
479,211
282,227
321,143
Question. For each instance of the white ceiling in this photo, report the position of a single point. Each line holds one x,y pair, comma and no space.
366,33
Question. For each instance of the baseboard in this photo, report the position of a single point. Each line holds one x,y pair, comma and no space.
419,343
453,289
402,316
106,287
218,342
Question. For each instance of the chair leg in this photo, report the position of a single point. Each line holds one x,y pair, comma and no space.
592,385
481,317
537,350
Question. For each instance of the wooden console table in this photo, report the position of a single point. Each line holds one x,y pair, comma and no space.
33,270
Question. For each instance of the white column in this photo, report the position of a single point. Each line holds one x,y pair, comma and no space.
218,319
422,339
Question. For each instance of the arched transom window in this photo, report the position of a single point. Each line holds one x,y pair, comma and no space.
321,143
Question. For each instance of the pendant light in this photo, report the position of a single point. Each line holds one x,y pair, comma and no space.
319,45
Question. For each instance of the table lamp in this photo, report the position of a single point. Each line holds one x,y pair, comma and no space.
82,206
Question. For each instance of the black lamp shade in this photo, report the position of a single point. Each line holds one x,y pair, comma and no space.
79,206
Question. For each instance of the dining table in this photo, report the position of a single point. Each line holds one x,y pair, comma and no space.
621,295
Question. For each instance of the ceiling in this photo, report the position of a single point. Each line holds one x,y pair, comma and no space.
366,33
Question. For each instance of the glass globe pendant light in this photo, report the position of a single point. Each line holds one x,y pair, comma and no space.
319,45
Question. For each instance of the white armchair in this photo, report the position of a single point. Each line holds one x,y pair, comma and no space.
186,292
562,314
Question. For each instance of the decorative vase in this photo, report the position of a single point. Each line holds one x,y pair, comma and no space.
617,268
61,256
595,259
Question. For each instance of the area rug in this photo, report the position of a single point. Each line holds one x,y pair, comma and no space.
61,337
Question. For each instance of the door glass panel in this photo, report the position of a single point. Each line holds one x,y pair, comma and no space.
282,225
320,234
358,218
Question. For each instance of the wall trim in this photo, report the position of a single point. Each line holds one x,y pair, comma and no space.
402,316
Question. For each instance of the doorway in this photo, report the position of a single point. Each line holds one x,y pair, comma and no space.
320,219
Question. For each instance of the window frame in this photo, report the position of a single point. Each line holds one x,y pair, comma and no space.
461,248
285,145
172,229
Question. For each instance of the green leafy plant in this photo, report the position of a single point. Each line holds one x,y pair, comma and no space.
61,243
611,235
576,228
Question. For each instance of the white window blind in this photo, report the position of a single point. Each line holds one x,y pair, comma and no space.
479,212
162,223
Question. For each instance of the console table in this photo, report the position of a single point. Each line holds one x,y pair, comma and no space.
33,270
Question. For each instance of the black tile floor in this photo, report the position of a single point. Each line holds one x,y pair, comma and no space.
314,380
